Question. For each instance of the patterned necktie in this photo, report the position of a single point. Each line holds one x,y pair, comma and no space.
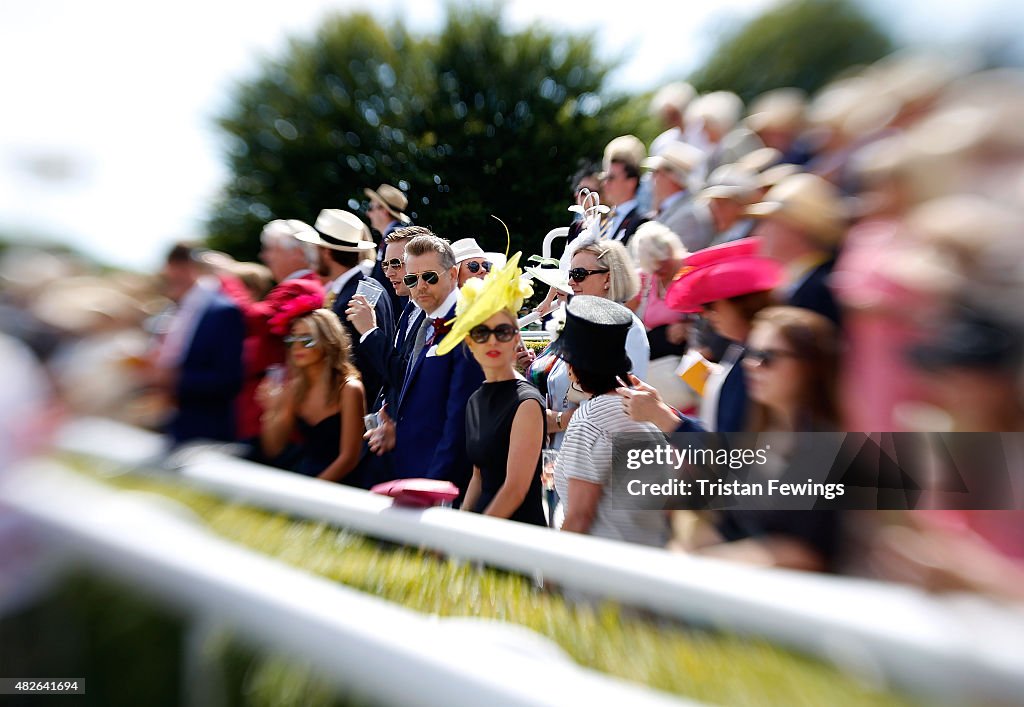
424,328
606,224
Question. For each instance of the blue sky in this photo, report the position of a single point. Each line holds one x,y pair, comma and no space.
107,139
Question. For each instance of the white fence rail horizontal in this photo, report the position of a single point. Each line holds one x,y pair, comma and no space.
954,647
365,645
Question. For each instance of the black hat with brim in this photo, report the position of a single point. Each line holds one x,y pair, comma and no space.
594,337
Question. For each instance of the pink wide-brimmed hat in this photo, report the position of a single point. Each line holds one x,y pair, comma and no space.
721,272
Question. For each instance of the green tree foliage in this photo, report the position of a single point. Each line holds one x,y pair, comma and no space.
472,122
801,43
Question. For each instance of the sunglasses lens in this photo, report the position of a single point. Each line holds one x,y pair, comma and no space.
410,280
392,264
578,274
473,267
430,277
479,334
505,332
486,265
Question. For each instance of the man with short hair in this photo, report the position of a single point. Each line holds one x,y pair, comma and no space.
729,191
287,257
338,236
621,180
199,362
429,407
675,206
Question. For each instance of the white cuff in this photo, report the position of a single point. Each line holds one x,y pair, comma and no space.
363,337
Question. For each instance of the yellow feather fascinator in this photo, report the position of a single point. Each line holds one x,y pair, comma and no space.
502,288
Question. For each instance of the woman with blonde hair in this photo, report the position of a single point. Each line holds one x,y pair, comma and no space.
505,416
322,398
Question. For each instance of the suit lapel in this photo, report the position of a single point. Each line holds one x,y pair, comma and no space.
414,366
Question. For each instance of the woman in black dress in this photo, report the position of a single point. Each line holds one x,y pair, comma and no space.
505,417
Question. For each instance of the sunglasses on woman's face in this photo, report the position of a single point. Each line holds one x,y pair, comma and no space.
503,333
393,264
474,267
307,341
581,274
766,357
430,277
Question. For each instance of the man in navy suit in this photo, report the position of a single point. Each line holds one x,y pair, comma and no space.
429,408
199,363
341,247
389,355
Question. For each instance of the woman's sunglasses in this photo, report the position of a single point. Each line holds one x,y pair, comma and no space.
581,274
393,264
503,333
307,342
474,267
766,357
430,277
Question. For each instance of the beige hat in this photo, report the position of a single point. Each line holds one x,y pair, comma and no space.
781,109
732,181
808,202
773,175
625,148
394,200
678,158
721,109
337,230
466,248
760,160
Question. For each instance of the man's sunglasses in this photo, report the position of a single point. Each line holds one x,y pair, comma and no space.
581,274
503,333
474,266
393,264
307,342
766,357
430,277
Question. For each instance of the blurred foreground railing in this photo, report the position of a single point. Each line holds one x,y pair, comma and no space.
366,646
956,647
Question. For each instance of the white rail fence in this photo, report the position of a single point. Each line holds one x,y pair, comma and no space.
369,647
956,647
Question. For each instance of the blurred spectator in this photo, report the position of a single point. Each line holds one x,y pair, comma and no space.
471,259
728,284
670,104
199,361
777,117
323,401
675,205
387,213
660,255
620,182
730,190
804,221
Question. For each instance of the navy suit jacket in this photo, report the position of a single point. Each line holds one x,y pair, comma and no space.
814,293
430,415
629,225
731,415
389,356
210,376
372,380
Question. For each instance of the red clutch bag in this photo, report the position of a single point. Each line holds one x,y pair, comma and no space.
419,493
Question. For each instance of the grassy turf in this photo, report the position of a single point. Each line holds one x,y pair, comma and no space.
701,665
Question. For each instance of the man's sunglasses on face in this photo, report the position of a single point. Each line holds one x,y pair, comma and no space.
393,264
474,267
429,276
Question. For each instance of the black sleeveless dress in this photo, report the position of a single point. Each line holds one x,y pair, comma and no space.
489,417
320,444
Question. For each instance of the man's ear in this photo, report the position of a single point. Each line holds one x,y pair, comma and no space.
454,272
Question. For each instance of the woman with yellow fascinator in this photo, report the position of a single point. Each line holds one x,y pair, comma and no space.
505,417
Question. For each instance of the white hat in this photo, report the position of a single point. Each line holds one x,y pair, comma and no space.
337,230
550,276
679,158
466,248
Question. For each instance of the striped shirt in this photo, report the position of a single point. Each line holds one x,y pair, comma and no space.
587,454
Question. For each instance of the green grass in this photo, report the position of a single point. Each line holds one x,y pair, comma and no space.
702,665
